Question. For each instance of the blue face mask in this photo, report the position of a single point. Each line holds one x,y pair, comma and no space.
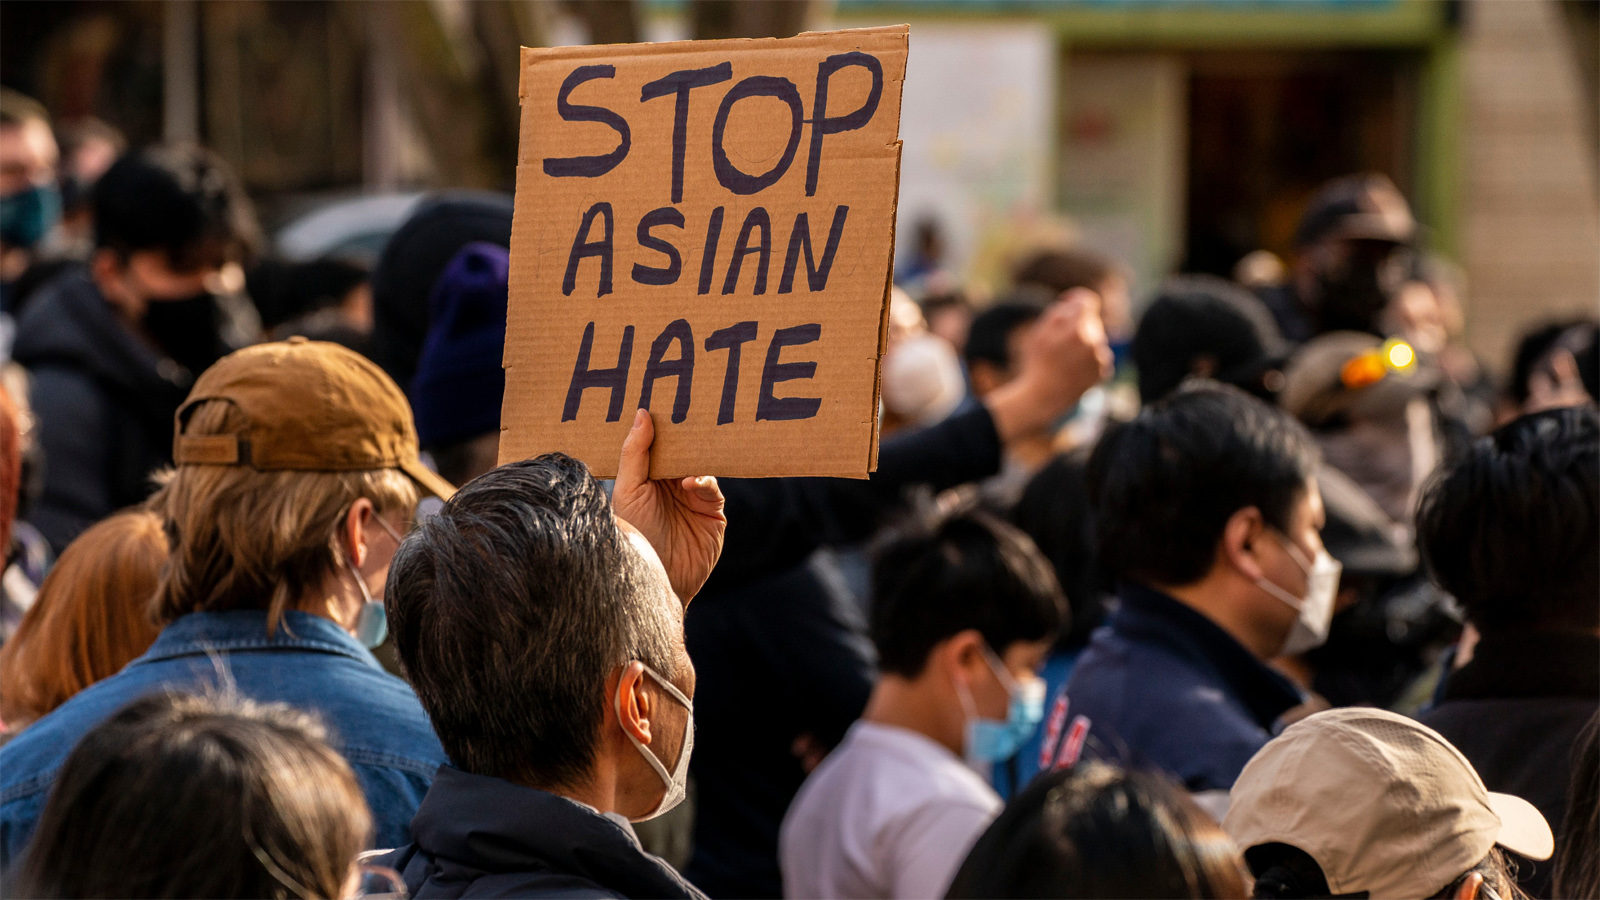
27,216
372,623
991,740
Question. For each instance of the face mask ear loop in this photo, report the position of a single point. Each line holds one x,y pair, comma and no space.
649,755
1001,674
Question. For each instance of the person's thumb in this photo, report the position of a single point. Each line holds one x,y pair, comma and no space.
633,469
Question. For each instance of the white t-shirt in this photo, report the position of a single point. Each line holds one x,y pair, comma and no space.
889,813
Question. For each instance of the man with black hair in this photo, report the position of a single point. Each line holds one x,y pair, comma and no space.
1513,531
1207,513
114,347
1202,326
1351,256
964,611
993,339
541,624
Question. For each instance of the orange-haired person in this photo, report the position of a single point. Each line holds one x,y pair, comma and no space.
91,617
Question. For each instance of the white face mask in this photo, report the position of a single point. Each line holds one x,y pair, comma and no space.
677,783
1316,607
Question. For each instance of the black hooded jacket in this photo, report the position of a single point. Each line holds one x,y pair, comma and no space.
477,836
104,402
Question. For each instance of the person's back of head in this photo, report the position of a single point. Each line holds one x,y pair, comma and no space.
994,333
459,383
1366,802
91,616
180,200
1098,831
411,262
1512,529
1061,270
1202,326
1165,485
292,460
943,573
512,607
178,796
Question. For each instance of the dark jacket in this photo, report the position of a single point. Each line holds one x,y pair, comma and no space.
103,400
1162,685
476,836
310,663
780,645
1515,711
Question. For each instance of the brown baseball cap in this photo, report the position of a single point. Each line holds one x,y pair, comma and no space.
1383,803
311,406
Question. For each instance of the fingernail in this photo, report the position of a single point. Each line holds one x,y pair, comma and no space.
638,417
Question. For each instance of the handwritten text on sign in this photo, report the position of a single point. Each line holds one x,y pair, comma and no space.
705,229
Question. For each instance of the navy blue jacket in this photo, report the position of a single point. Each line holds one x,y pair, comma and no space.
477,836
310,663
1163,686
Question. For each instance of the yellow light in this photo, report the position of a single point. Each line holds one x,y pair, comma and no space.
1401,355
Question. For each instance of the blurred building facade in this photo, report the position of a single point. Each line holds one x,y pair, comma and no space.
1176,134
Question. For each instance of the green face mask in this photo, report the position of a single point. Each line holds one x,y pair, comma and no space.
27,216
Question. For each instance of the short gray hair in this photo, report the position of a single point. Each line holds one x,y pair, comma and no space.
512,606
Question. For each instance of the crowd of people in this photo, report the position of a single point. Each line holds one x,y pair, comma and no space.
1269,590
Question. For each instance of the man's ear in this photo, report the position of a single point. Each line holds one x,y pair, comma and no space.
1470,887
985,375
637,704
107,268
1241,542
961,651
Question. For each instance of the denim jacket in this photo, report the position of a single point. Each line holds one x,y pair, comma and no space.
309,663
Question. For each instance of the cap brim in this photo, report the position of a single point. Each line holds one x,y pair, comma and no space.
1523,829
427,479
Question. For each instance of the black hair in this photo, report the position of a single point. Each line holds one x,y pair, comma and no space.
509,610
1165,484
182,796
180,199
1285,872
1512,529
942,573
1062,270
990,332
1203,325
1536,345
283,291
1577,872
1098,831
1054,510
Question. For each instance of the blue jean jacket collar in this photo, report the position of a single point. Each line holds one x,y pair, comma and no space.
200,633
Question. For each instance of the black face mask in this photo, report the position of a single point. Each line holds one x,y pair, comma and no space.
1350,297
188,330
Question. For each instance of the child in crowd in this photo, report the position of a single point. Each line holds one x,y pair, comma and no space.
965,610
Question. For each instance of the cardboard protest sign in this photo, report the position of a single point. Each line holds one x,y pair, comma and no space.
705,229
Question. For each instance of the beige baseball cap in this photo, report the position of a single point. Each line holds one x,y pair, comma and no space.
311,406
1383,803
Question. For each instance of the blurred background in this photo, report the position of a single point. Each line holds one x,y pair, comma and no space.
1175,135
